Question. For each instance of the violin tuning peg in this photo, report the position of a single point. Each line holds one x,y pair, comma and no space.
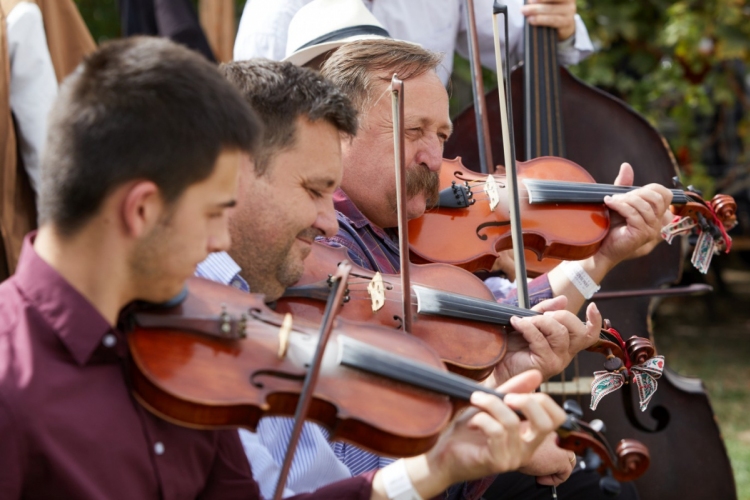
695,190
677,183
598,426
613,364
590,461
571,407
609,485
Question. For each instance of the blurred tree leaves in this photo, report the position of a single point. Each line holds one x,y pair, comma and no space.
684,65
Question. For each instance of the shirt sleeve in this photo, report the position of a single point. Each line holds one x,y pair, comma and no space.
230,477
576,48
356,488
539,290
33,84
11,461
471,490
263,29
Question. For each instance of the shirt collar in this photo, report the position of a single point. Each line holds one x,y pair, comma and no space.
78,324
346,207
220,267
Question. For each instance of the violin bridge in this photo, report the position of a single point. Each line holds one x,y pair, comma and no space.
377,292
284,332
493,191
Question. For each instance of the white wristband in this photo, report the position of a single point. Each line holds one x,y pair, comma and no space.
580,278
397,483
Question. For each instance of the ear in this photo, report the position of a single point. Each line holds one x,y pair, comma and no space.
142,208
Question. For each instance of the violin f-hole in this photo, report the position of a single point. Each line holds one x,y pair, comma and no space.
482,227
273,373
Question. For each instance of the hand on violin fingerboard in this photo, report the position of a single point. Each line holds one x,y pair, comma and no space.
486,439
547,342
636,220
558,14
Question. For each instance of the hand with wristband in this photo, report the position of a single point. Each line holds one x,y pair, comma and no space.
486,439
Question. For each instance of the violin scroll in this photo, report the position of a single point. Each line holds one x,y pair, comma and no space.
627,462
639,349
725,209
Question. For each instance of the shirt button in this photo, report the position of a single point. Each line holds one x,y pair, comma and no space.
159,448
109,340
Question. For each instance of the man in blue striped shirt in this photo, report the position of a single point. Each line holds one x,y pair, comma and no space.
281,209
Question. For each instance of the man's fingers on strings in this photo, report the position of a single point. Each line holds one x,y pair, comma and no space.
495,410
537,340
625,176
556,304
540,419
522,383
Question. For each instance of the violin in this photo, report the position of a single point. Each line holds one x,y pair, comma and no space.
468,346
562,209
220,358
452,310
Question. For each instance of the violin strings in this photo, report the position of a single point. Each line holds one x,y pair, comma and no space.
550,187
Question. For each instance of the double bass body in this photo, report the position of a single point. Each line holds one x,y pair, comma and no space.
679,428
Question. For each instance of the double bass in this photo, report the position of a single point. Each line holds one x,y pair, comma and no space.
563,116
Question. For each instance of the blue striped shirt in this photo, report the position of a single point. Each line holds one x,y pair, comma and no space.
317,461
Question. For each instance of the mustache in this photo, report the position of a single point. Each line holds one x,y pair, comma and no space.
310,234
421,180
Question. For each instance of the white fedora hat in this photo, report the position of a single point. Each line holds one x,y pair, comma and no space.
324,25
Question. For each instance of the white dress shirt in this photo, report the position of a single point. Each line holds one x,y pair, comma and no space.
33,84
439,26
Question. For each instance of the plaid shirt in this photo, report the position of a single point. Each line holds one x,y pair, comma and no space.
377,249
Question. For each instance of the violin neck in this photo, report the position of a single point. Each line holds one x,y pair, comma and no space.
360,356
547,191
364,357
439,303
543,127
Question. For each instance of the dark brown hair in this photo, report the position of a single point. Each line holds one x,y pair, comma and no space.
280,92
138,108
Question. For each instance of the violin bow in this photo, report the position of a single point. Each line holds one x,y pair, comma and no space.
511,172
486,165
397,102
340,278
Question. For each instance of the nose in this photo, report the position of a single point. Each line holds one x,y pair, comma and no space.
220,239
326,221
430,153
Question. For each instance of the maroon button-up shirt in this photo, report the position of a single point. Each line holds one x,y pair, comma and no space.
69,426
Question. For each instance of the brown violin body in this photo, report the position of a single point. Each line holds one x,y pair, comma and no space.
472,237
187,372
469,348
